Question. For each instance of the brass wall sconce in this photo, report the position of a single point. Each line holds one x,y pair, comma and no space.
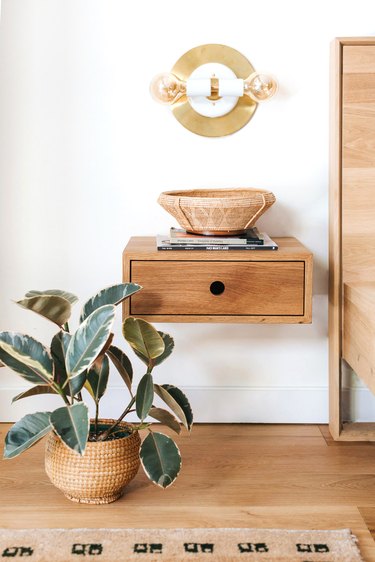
213,90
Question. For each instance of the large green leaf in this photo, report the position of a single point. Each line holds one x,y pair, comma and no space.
166,418
97,379
143,338
87,342
160,459
110,295
59,345
177,401
77,383
54,308
54,292
26,432
71,423
27,357
107,344
34,391
168,348
65,338
145,396
122,364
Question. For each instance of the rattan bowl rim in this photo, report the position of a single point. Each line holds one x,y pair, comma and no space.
244,194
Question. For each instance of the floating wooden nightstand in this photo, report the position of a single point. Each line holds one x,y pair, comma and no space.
257,286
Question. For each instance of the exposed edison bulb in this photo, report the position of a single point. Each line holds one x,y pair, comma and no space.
166,88
260,87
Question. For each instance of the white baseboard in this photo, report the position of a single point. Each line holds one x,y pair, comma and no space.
221,404
358,404
210,404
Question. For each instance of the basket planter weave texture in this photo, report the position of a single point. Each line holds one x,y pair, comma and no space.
100,475
217,211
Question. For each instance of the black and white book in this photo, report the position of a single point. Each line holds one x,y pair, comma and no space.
181,236
163,243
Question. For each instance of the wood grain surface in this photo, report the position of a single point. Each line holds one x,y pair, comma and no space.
352,214
260,286
335,242
262,476
358,163
249,288
359,331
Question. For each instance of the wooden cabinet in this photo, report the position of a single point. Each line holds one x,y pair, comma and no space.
212,286
352,224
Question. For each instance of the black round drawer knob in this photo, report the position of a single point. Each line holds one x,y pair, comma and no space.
217,288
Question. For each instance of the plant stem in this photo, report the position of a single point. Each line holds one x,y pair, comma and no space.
105,435
96,418
62,394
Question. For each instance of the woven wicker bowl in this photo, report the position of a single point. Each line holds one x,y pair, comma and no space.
101,474
217,211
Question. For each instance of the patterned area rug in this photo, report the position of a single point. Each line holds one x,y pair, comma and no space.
174,545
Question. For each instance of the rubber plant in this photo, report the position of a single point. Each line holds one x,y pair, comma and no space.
80,361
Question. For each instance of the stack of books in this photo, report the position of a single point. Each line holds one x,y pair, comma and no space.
179,239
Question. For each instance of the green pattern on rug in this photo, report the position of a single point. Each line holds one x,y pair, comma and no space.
174,545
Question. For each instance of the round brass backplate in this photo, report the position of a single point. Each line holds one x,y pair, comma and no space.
217,126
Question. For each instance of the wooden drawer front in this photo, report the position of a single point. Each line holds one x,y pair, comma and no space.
250,288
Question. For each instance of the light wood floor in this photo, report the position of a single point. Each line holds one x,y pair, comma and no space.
264,476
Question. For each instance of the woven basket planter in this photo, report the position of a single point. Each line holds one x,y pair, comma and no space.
100,475
217,211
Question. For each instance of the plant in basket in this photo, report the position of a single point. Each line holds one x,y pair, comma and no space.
92,460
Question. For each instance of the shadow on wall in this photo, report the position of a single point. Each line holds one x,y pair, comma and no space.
242,334
281,220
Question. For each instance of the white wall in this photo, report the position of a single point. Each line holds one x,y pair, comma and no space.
84,153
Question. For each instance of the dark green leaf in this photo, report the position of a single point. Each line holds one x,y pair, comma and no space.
143,338
65,338
107,345
55,292
111,295
26,432
59,345
182,401
122,364
54,308
71,423
145,395
177,401
88,340
97,379
26,356
160,459
168,348
34,391
166,418
77,383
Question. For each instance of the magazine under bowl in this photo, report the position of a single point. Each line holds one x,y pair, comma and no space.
217,212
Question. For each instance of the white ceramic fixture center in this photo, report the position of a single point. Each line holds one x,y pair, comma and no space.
205,106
